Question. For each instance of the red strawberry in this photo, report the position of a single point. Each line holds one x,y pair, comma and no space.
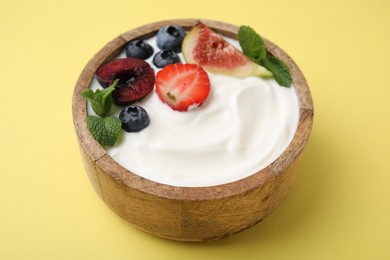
136,79
182,86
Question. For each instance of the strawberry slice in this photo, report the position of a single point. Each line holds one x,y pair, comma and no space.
182,86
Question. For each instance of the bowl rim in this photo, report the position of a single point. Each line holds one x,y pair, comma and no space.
99,156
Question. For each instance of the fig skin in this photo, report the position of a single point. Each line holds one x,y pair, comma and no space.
206,48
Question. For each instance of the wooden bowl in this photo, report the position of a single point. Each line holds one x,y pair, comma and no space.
189,213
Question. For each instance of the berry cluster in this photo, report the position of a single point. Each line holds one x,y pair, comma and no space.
182,86
169,39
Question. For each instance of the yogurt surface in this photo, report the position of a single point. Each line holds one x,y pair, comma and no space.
243,126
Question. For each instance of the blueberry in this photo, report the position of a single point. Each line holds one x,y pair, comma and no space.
139,49
165,57
134,118
170,37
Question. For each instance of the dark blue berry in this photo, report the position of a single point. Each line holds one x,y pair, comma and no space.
170,37
139,49
134,118
165,57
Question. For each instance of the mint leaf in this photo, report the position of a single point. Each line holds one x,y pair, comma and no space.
106,100
251,43
105,130
106,93
87,94
279,70
101,100
95,100
254,48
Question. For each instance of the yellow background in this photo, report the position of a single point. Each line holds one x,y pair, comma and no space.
339,205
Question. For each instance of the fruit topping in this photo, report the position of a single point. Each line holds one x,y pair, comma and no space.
170,37
211,51
182,86
136,79
165,57
134,118
139,49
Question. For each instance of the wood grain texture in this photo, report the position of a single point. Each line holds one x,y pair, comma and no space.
185,213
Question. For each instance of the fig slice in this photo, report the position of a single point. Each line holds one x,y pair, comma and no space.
211,51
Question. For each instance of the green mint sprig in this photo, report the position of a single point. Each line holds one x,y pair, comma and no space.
105,129
254,48
101,100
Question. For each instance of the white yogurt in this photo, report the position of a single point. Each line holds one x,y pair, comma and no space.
243,126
